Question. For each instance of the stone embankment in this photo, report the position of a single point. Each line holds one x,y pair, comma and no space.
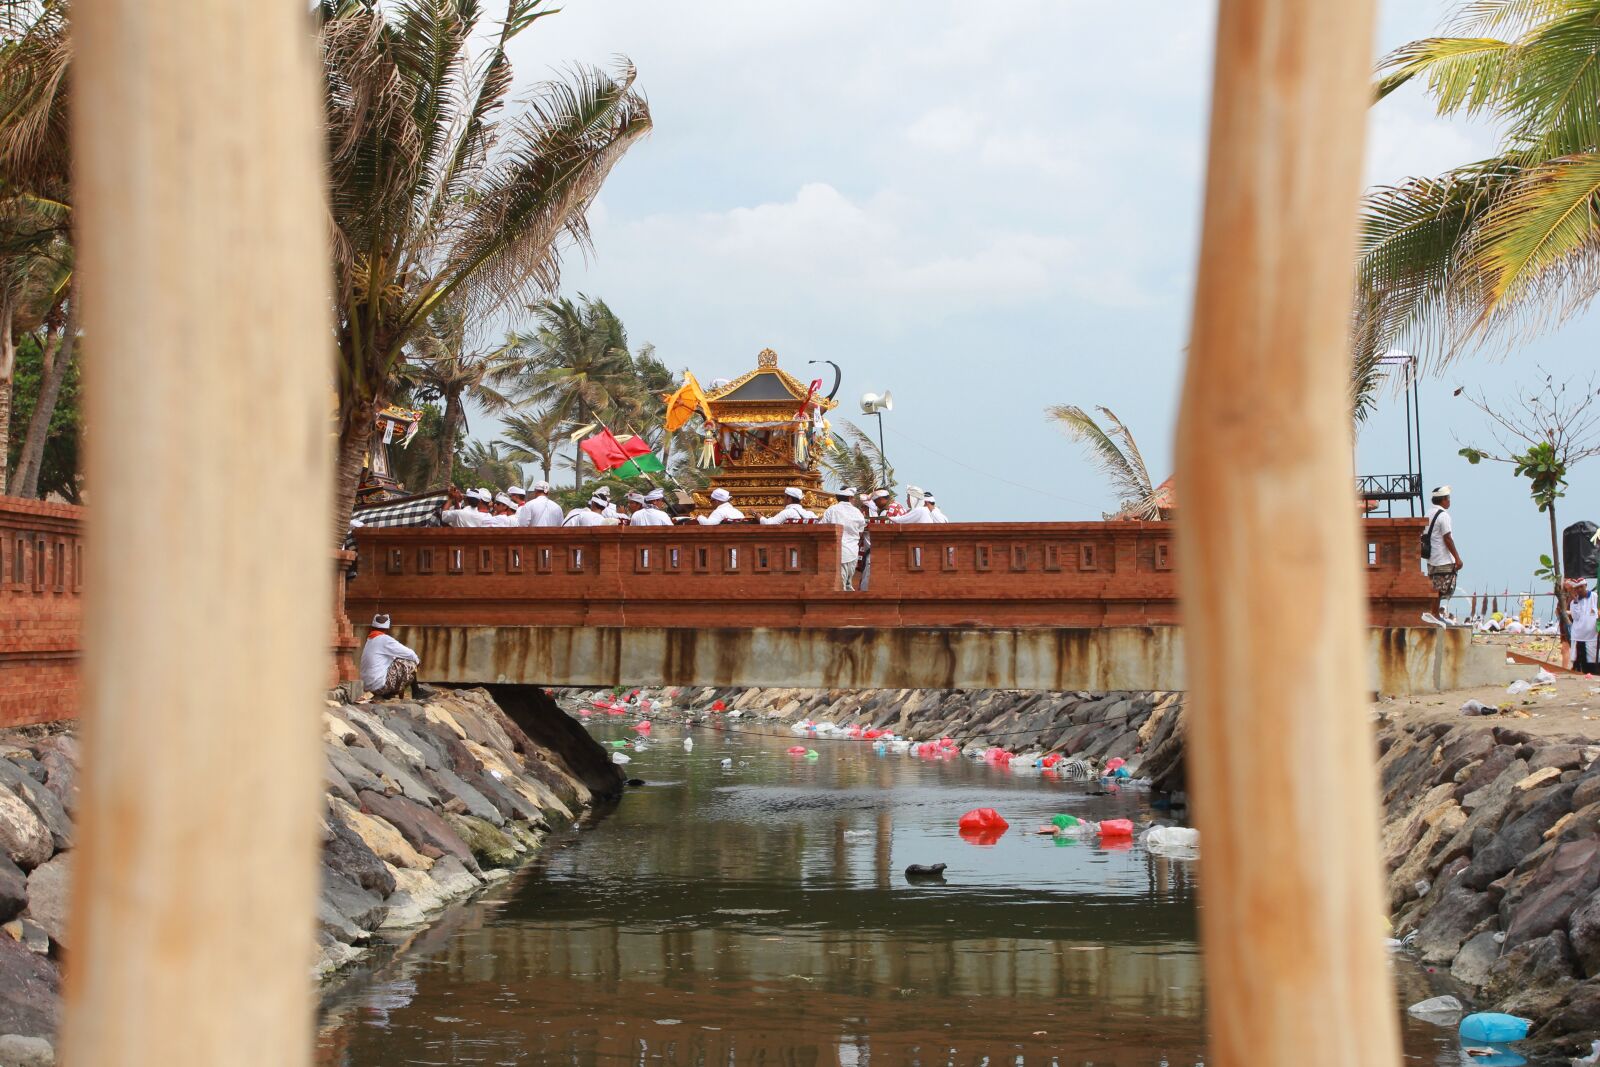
1140,727
1491,826
427,802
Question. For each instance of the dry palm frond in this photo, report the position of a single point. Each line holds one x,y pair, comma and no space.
1121,464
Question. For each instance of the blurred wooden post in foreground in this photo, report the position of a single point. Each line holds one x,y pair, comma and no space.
1281,753
202,245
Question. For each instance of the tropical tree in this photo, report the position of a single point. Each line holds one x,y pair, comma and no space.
444,368
853,459
1115,455
491,467
1497,248
441,197
579,369
534,437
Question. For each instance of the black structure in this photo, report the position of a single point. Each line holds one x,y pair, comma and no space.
1381,492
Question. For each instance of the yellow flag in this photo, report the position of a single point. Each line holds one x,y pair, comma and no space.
684,402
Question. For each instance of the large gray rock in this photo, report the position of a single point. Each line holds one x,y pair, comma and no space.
1450,922
349,854
1525,832
391,773
333,924
336,783
1583,929
360,908
1490,860
351,769
13,890
61,776
30,991
1561,757
1563,882
45,804
461,798
1472,963
24,838
19,1050
422,827
48,888
1532,978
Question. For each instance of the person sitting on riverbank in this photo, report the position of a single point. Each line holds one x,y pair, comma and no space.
794,511
387,667
723,512
652,514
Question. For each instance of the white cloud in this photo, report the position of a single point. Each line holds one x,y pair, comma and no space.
944,129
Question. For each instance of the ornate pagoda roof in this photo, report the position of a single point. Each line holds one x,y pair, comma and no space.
767,384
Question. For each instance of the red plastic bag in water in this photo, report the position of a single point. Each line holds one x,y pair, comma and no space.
717,705
1115,828
982,836
643,727
797,750
983,819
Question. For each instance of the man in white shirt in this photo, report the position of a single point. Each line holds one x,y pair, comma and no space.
517,495
794,511
604,493
1443,562
387,667
651,514
540,510
868,507
1583,611
846,514
593,515
504,512
474,510
723,512
918,514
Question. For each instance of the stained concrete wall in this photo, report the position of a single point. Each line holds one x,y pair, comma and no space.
1403,660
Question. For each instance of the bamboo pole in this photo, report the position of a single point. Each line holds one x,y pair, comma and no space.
1282,758
199,204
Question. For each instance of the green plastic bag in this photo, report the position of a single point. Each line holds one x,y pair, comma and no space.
1063,821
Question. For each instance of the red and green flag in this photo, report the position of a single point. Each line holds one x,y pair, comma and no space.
629,455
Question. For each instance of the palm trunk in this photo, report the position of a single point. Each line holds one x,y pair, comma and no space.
45,408
8,371
355,439
444,463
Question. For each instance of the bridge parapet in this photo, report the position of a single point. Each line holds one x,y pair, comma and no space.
960,574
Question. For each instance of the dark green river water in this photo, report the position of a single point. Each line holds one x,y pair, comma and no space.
759,915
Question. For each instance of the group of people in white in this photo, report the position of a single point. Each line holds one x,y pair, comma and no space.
852,510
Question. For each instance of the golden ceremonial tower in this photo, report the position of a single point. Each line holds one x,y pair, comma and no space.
768,426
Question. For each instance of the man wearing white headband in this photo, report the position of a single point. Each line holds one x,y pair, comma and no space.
387,667
928,512
1442,562
593,515
845,514
883,500
604,493
794,511
474,510
723,512
540,510
1583,612
651,514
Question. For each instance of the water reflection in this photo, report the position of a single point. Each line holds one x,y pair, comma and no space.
759,915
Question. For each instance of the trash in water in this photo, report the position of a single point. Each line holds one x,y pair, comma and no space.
797,750
643,727
811,753
727,762
1494,1027
1115,828
619,744
620,758
982,819
1180,842
1492,1056
981,835
1113,764
717,705
1440,1011
1061,822
925,872
688,744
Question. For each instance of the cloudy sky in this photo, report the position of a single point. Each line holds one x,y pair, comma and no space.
986,208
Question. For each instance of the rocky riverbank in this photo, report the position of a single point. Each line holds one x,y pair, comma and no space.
428,801
1491,830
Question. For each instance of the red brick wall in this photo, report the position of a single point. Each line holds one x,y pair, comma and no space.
41,608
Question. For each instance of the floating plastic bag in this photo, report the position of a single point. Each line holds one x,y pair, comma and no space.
982,819
727,763
1061,822
688,744
1113,764
1440,1011
1117,828
643,727
1182,842
811,753
797,750
1121,773
619,758
1494,1026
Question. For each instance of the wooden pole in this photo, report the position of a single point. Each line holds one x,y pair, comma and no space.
1282,756
199,197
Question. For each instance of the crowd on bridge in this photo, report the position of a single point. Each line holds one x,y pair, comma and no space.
851,510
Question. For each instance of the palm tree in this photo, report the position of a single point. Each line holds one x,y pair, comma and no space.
1499,248
580,369
444,369
533,437
1115,453
490,466
438,197
857,463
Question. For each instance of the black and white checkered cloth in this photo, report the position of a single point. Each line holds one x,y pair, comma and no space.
420,510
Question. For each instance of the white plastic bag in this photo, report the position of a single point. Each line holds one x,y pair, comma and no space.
1440,1011
619,758
1518,687
1178,842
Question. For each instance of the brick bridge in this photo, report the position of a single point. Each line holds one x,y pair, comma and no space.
1057,606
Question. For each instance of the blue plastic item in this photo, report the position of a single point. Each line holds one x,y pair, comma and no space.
1494,1027
1122,772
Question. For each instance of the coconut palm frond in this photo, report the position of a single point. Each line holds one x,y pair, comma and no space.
1128,479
